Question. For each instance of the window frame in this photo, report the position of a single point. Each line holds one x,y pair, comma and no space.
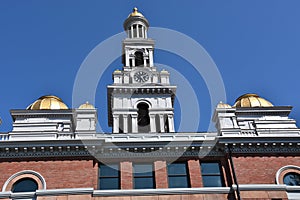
136,176
107,177
219,174
186,174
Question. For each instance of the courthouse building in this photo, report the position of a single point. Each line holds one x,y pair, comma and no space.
54,152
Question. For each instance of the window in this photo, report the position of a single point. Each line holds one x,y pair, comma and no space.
139,58
211,174
109,177
25,185
177,175
143,176
143,118
292,179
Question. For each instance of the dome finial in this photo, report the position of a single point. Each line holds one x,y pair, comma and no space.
135,9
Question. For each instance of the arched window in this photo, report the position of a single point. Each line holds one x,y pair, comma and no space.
25,185
143,118
292,179
139,60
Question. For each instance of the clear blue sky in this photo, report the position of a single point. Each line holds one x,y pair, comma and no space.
255,45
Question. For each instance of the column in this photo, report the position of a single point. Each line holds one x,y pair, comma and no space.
127,57
151,57
152,123
125,123
143,32
171,124
162,123
116,123
134,123
131,29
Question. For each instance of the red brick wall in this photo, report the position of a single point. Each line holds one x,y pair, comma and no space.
161,176
195,173
58,174
126,175
261,170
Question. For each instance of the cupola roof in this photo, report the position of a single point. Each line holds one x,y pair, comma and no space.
48,102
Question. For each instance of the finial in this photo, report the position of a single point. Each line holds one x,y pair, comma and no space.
135,9
87,102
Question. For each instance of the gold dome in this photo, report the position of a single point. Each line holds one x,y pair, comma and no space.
86,105
223,105
251,100
135,13
48,102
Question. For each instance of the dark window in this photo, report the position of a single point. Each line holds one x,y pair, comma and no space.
109,177
139,58
143,118
177,175
140,31
211,174
292,179
25,185
143,176
134,30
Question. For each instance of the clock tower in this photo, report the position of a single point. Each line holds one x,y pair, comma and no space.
141,99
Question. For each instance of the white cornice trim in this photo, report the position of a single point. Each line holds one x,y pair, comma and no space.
71,191
141,192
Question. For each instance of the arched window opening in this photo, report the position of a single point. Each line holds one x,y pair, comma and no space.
292,179
140,31
143,118
134,30
25,185
166,120
139,60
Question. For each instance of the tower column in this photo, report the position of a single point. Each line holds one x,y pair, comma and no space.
143,32
171,123
131,29
162,123
116,123
152,123
125,123
134,123
151,57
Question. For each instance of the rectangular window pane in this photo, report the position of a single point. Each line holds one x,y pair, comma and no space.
178,182
109,171
109,183
143,183
143,170
210,168
212,181
177,169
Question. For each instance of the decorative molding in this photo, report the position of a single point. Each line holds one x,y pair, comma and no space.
24,172
285,168
69,191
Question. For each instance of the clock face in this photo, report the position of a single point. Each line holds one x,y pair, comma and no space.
141,76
